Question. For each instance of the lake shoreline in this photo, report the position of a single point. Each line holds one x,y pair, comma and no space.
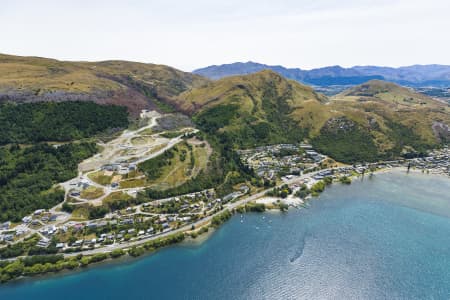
368,240
188,240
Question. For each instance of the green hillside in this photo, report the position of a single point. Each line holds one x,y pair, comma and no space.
61,121
397,118
28,176
28,172
376,120
245,111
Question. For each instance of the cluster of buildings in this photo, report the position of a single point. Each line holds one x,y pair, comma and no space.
267,161
188,204
78,187
108,238
243,189
133,223
7,237
8,234
437,161
33,223
121,168
205,194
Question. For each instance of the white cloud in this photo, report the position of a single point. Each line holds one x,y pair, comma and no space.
191,34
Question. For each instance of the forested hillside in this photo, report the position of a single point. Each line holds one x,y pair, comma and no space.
29,167
57,121
28,174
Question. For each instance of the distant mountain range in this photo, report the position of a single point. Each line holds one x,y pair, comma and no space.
417,75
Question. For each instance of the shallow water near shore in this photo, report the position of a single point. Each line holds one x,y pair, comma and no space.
385,237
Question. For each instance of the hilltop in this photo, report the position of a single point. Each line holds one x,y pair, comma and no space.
397,118
417,75
134,85
371,121
250,110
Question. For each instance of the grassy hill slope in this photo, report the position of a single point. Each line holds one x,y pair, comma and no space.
135,85
396,104
250,110
371,121
391,94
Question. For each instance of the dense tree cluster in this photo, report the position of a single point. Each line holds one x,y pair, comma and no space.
255,207
351,144
28,174
281,192
221,218
346,145
57,121
153,167
247,130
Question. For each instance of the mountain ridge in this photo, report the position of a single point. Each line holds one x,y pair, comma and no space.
336,75
134,85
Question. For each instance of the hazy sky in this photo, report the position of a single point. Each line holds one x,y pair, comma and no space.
195,33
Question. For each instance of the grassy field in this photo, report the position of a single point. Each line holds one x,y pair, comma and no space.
80,214
132,174
133,183
176,172
201,155
100,178
187,161
92,192
116,196
171,134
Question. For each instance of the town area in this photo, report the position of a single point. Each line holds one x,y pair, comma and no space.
114,178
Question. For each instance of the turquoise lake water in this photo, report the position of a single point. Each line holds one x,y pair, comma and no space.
382,238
